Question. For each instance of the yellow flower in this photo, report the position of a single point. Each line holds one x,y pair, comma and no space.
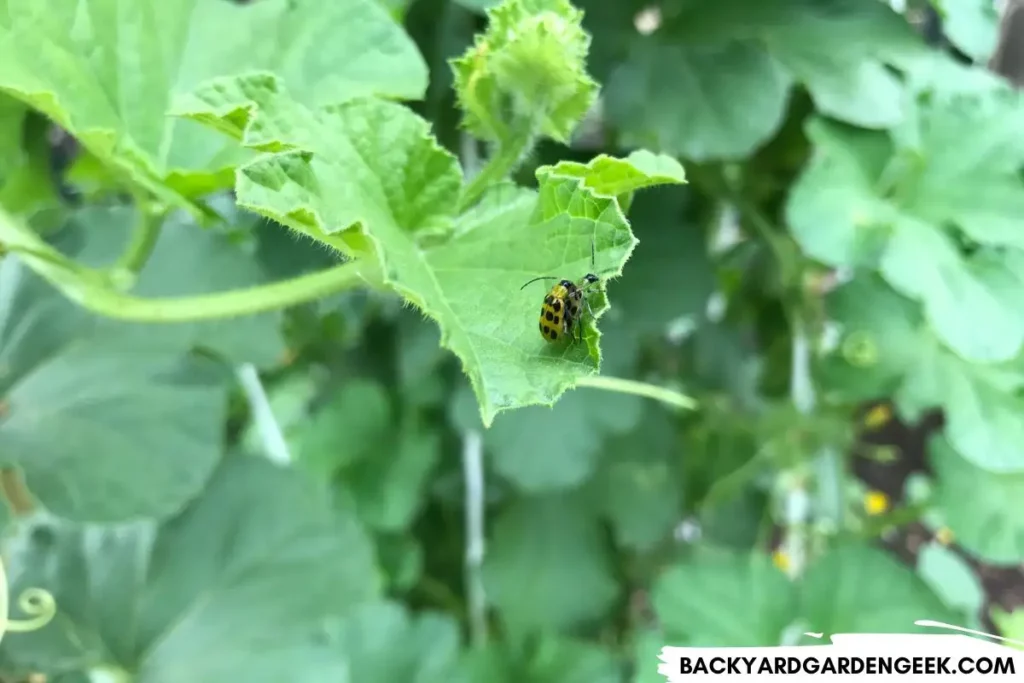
781,560
875,503
878,416
944,535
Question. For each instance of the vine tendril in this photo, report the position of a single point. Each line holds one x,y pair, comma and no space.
36,603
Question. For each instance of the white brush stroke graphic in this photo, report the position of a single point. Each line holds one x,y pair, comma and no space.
855,658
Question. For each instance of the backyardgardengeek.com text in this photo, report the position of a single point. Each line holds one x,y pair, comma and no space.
756,665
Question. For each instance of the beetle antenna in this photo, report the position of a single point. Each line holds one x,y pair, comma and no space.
547,277
593,255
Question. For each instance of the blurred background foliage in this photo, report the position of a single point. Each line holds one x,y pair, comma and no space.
294,495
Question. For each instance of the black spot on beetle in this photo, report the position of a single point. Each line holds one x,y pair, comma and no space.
548,299
557,305
552,333
548,316
556,320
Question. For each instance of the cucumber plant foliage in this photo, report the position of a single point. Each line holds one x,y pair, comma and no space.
324,213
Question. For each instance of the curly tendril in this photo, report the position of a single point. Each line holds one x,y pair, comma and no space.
36,603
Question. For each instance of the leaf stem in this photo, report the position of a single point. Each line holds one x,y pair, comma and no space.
144,238
796,505
509,155
238,302
274,444
473,472
469,156
629,386
90,288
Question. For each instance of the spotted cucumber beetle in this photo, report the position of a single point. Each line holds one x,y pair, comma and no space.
560,314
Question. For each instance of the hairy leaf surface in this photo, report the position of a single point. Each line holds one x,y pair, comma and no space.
367,178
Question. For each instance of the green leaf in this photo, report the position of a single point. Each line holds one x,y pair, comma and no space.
637,487
419,357
723,600
347,429
877,344
547,565
382,642
670,274
541,449
370,181
97,70
1010,625
952,579
713,81
236,587
379,462
885,351
553,659
866,200
861,589
388,488
736,78
104,431
717,599
978,505
12,121
401,560
971,25
721,360
609,176
646,648
526,72
935,74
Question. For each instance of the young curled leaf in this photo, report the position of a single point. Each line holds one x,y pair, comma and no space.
527,72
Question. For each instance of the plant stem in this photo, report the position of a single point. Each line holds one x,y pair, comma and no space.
15,491
144,238
508,157
91,289
239,302
468,155
473,472
629,386
797,503
274,443
796,506
801,388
